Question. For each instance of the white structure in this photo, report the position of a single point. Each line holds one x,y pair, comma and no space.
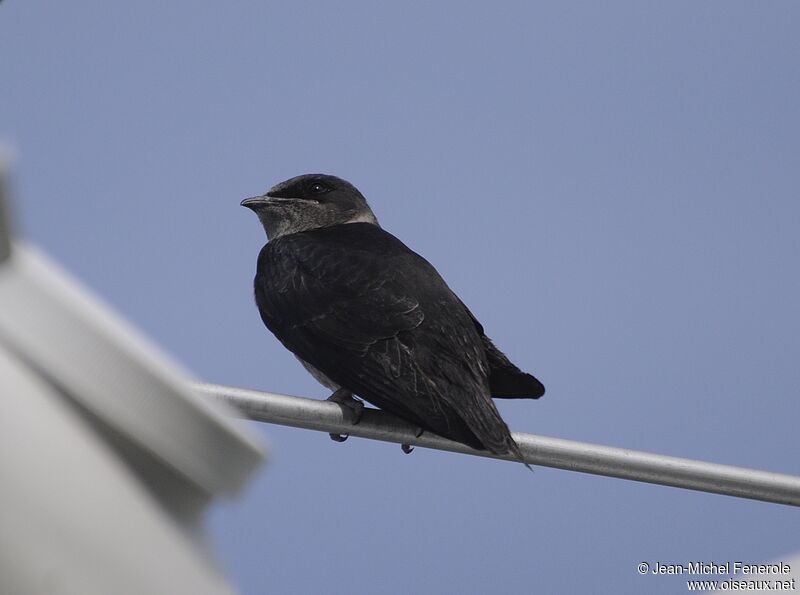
108,458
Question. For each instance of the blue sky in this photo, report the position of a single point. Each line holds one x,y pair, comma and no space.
613,188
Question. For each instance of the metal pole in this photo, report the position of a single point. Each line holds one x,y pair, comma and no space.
325,416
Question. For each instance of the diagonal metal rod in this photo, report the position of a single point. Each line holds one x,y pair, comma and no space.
325,416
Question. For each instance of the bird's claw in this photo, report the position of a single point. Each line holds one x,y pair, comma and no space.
345,398
407,448
358,411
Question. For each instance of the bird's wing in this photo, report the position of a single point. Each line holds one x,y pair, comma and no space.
378,319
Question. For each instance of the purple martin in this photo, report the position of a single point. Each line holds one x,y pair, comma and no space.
368,316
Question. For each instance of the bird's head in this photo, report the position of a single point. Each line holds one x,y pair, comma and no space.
309,202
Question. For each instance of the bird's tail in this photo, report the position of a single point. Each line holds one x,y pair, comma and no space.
492,432
515,450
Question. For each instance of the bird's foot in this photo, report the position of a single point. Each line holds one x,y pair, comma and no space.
345,398
407,448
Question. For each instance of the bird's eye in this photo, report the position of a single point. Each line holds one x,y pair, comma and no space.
318,188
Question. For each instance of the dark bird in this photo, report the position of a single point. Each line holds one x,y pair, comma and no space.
368,316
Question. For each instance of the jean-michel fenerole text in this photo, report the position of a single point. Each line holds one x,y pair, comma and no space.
721,568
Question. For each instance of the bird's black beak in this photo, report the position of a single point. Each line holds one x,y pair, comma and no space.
255,202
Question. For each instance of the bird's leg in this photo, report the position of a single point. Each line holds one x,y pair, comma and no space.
344,397
407,448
